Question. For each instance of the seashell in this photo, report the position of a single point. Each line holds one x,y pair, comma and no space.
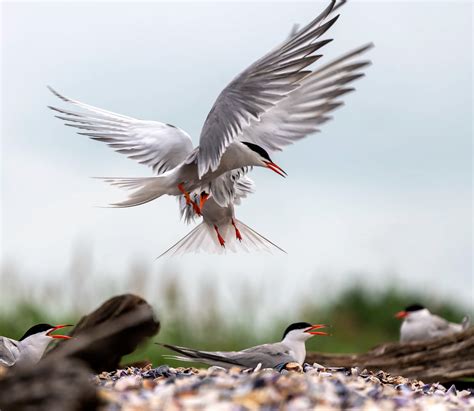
293,366
148,384
128,382
452,390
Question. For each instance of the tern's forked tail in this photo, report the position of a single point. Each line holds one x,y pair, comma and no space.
145,189
203,238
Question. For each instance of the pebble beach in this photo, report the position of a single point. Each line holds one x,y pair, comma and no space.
291,388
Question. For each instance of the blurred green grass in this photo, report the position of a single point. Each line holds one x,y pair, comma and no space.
360,318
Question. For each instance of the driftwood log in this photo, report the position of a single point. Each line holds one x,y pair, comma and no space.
439,360
49,386
113,330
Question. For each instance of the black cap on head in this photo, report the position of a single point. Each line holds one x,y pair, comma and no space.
38,328
296,326
258,149
414,307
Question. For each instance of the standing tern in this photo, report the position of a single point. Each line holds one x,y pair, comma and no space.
274,102
419,324
291,349
30,348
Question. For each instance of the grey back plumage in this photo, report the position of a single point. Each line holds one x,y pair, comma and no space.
9,352
269,355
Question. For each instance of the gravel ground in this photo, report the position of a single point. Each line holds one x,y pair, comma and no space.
291,388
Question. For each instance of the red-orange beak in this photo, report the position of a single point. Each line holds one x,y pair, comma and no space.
203,199
58,336
277,169
401,314
309,330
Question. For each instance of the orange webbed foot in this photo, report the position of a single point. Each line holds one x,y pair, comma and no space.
219,237
237,232
196,208
203,199
187,196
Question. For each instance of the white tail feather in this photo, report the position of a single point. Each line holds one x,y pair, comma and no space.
203,238
146,189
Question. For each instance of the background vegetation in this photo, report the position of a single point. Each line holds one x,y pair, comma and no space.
359,317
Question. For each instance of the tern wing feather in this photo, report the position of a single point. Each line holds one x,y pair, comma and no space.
307,107
231,187
9,352
258,88
207,357
440,326
158,145
269,355
438,323
244,186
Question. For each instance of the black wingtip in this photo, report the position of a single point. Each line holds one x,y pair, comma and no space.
60,96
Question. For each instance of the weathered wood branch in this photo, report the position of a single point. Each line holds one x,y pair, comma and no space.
443,359
111,331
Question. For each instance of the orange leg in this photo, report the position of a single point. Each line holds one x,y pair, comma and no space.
204,198
196,208
219,237
237,232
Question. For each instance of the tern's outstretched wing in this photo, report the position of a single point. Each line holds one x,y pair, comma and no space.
9,352
157,145
266,82
308,107
231,187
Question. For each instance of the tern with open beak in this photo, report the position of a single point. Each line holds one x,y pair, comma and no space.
30,347
220,230
276,101
290,349
420,324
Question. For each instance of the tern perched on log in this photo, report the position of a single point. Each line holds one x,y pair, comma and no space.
290,349
29,349
419,324
276,101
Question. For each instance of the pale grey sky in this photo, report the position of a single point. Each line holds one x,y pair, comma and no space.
384,188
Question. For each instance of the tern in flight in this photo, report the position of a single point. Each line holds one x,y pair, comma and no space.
276,101
30,348
419,324
290,349
219,229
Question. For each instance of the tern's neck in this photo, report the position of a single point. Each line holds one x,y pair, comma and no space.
298,348
238,155
419,315
32,348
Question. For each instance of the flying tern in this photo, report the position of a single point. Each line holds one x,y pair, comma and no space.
220,230
291,349
276,101
420,324
30,347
